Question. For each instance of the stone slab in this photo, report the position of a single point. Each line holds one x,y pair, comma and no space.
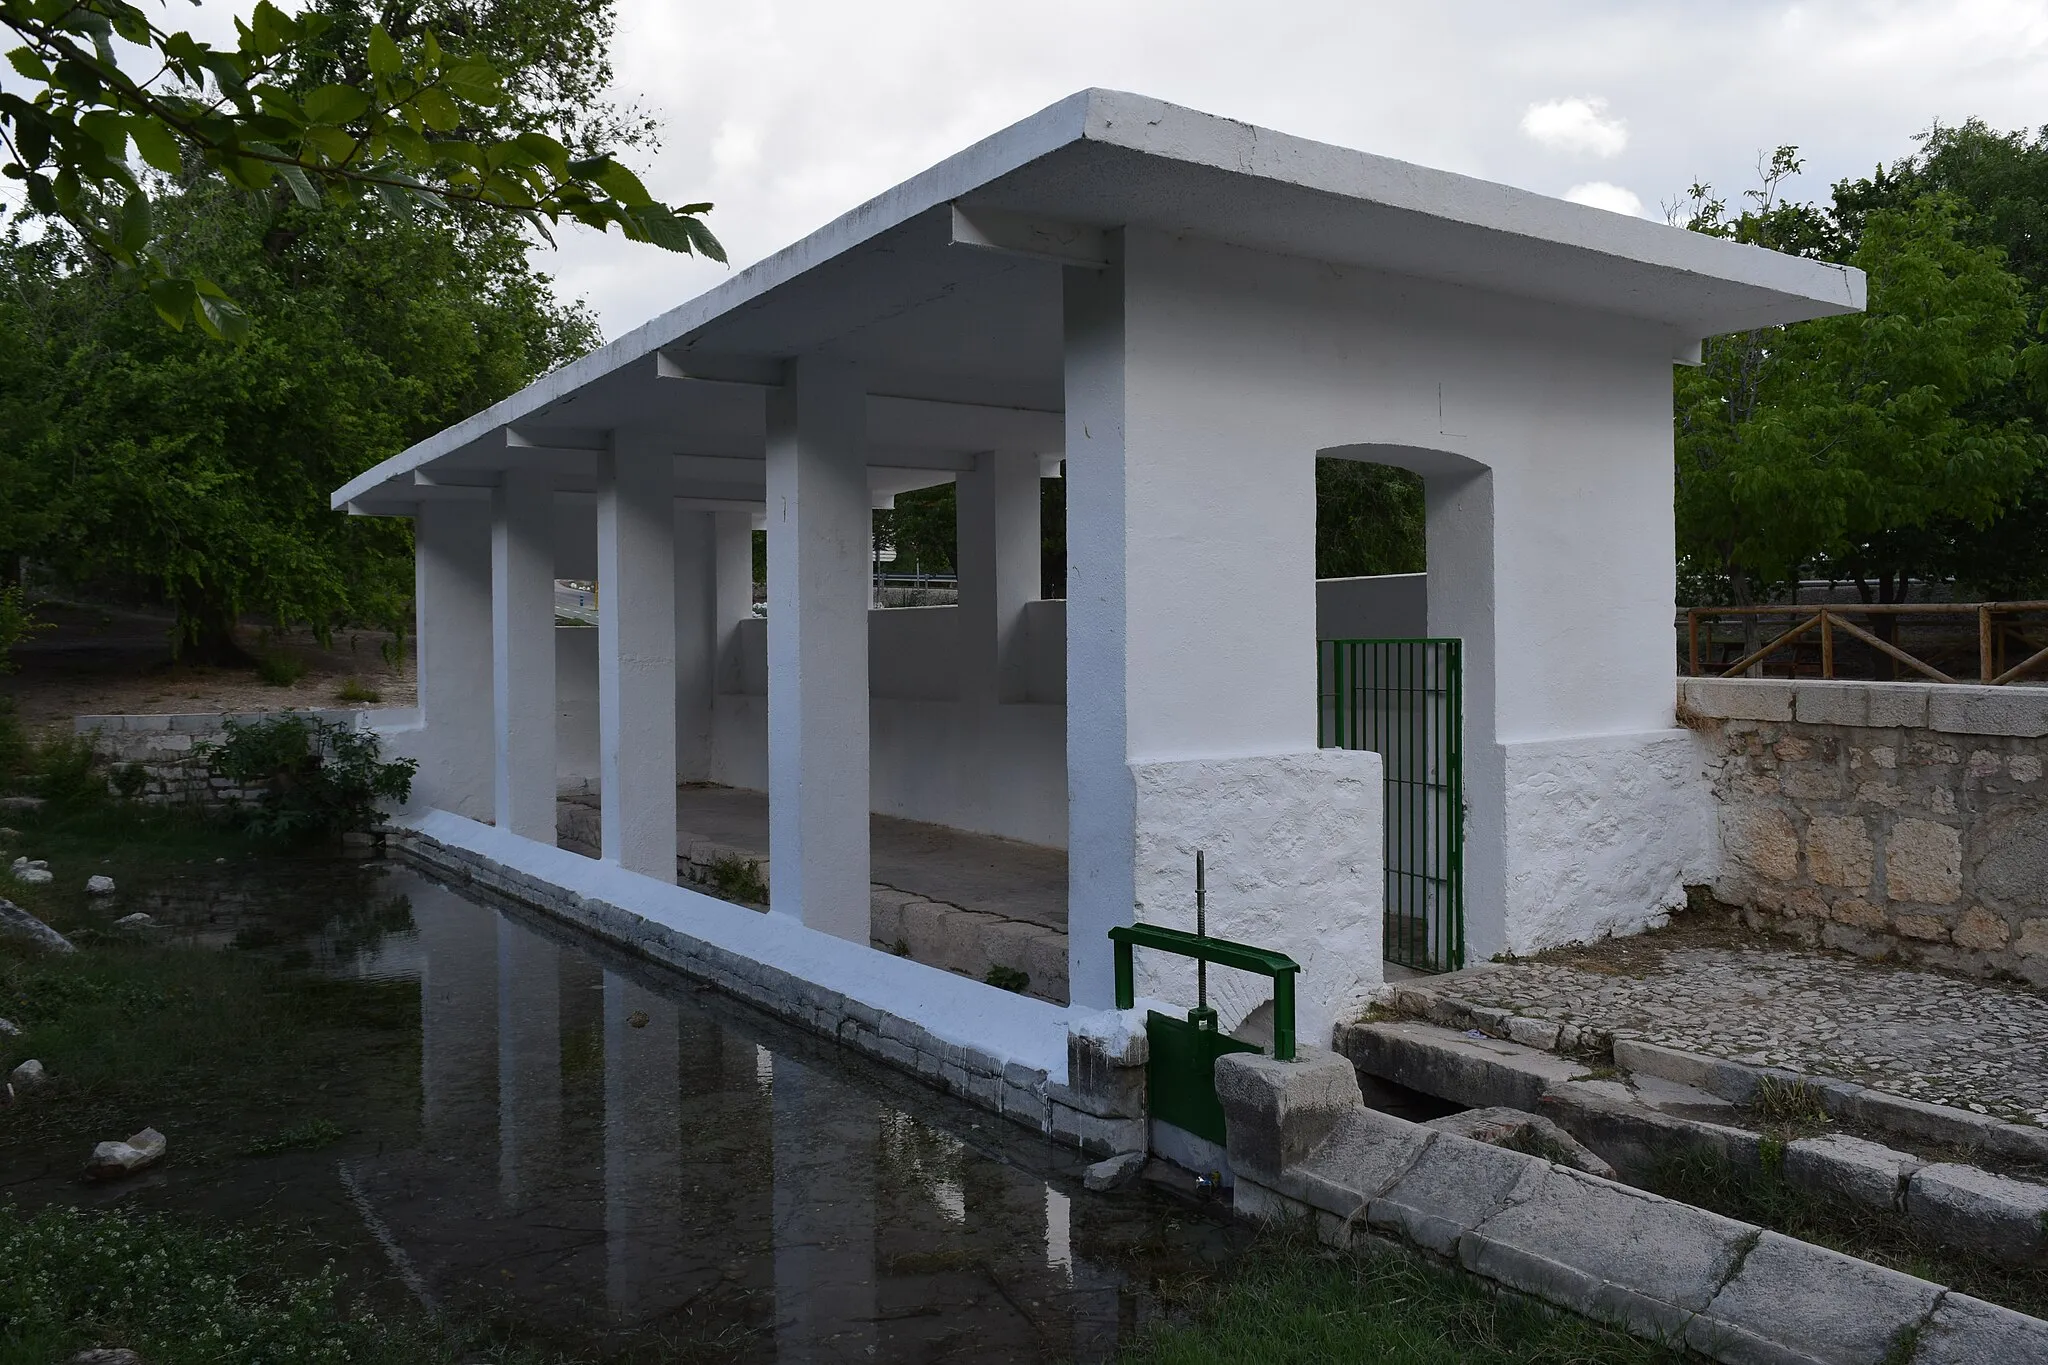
1454,1185
1479,1072
1967,1331
1364,1154
1793,1303
1868,1172
1278,1112
1967,1207
1608,1251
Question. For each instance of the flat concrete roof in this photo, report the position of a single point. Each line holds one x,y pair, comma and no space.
960,343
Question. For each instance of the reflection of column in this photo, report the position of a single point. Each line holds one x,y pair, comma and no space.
529,1061
825,1141
458,1023
643,1201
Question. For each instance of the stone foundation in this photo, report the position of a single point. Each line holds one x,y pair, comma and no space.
1907,819
162,758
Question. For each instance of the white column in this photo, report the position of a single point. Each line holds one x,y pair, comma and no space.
636,657
452,596
997,518
1191,677
734,576
523,651
819,520
697,641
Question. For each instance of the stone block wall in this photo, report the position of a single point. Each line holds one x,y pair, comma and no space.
1884,818
169,750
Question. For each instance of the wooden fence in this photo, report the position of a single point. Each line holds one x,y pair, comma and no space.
2007,638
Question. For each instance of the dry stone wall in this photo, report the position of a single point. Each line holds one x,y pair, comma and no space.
164,757
1884,818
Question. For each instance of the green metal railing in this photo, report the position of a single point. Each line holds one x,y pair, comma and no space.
1404,700
1180,1066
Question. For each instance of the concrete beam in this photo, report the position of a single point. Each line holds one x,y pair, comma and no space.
1041,239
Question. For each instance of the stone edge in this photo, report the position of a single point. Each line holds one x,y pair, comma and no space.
1943,708
1721,1325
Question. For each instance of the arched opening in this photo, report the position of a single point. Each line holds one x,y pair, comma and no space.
1405,668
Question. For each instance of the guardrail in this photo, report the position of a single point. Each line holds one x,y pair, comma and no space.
1224,953
1996,629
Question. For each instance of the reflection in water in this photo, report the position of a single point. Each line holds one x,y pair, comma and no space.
612,1157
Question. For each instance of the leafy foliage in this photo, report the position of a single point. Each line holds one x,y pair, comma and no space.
328,104
146,463
1830,441
17,623
1369,520
317,778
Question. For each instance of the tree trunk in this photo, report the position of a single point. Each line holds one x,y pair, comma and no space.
205,634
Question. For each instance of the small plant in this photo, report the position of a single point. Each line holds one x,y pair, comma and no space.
901,947
356,690
1794,1104
738,879
309,1136
280,670
1007,978
128,780
316,779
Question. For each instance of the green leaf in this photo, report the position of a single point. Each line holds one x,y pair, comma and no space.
157,144
28,64
173,301
437,110
135,221
221,319
336,104
301,186
547,151
475,81
384,58
613,178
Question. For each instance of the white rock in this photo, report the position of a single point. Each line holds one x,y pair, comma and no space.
113,1159
9,1029
32,876
28,1075
99,884
1108,1175
138,920
105,1355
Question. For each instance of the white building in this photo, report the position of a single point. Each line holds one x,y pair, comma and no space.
1188,311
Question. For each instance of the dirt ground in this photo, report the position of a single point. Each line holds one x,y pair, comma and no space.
97,660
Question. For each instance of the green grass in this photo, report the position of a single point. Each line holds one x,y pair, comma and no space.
187,1293
1291,1300
1765,1197
220,1051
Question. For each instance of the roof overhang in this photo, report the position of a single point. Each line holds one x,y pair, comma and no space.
945,289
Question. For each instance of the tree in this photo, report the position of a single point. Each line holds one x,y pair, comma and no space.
1843,439
166,466
2003,180
330,104
1369,520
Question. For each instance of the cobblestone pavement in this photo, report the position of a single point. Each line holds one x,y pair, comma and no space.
1979,1045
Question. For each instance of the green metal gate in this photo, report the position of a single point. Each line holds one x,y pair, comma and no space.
1404,700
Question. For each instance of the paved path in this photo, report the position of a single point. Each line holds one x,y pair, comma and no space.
1977,1044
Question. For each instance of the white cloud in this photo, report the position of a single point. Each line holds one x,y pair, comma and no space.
1575,125
1601,195
791,112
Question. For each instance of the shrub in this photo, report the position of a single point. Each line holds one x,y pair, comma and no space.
739,879
355,690
1007,978
316,778
280,670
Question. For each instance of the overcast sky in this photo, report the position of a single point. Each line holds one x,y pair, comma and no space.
786,113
